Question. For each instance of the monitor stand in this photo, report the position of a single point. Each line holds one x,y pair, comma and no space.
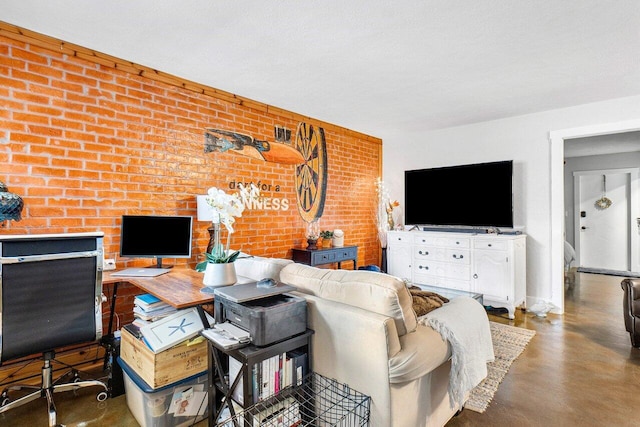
159,264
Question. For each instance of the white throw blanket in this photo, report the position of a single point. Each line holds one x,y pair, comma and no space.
463,322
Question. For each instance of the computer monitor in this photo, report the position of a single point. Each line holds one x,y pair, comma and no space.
153,236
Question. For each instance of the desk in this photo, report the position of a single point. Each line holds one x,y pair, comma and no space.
321,256
179,288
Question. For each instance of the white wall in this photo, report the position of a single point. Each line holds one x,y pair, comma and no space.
525,140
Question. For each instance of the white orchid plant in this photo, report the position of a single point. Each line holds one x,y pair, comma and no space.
226,208
384,212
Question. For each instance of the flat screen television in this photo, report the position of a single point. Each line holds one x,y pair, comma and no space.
473,195
153,236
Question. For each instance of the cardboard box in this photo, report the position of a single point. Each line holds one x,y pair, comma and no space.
158,370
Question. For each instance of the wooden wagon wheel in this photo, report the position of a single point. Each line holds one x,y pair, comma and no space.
311,176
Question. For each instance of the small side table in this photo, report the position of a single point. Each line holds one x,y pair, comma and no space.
221,391
322,256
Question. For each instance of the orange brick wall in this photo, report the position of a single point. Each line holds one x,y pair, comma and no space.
84,140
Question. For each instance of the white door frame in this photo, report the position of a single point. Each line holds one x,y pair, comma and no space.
632,203
556,194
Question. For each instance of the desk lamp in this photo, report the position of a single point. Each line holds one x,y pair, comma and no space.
205,213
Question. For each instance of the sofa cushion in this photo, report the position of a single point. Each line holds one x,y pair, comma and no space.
377,292
253,268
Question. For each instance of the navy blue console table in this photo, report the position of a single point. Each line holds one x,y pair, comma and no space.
322,256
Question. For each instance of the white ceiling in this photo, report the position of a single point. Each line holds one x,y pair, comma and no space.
369,65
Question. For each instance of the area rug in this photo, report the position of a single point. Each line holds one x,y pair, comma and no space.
608,272
508,343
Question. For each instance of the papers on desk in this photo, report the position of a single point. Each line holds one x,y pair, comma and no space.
227,336
171,330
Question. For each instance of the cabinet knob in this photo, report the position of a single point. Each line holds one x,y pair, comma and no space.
458,256
489,245
421,267
475,276
423,253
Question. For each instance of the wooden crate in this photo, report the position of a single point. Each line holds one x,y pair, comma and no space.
166,367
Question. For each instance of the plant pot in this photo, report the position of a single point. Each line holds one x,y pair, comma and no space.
217,275
326,243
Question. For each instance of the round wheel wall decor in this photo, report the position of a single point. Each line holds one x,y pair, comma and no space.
311,176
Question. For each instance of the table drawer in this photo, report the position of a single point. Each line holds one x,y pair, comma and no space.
346,253
333,255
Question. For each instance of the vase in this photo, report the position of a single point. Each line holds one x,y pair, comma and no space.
312,244
217,275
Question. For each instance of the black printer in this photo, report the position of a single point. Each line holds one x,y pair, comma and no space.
266,311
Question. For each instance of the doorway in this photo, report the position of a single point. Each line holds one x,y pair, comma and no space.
604,205
557,218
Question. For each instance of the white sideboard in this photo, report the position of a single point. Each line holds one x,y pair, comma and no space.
491,264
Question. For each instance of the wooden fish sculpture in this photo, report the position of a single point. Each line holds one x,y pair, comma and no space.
222,140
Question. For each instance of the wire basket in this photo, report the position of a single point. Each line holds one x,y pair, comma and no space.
319,401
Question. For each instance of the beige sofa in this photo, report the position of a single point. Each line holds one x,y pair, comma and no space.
367,336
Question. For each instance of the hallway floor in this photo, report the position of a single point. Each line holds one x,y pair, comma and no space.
579,369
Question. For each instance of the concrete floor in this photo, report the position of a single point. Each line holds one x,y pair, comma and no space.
579,369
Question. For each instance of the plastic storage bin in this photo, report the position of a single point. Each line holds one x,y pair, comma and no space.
182,403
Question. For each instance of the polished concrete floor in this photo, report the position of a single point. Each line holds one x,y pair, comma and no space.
579,370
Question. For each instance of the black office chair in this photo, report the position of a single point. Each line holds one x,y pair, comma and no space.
50,297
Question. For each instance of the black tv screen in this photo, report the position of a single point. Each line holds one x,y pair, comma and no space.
475,195
152,236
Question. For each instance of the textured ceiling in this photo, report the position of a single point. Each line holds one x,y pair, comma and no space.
371,66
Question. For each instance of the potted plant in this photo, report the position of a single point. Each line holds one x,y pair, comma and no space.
326,238
218,265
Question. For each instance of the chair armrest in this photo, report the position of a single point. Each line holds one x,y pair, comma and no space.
632,286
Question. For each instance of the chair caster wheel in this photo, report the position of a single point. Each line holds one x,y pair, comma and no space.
102,396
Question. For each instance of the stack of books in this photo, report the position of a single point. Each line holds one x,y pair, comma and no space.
148,308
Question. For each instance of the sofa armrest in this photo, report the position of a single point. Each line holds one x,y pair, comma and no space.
353,346
423,350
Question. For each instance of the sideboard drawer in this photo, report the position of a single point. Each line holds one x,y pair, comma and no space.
491,244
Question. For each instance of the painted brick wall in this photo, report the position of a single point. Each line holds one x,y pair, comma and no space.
85,138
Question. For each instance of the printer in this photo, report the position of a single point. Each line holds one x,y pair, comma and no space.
266,311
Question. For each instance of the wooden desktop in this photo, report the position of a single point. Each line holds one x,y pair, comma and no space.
180,287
